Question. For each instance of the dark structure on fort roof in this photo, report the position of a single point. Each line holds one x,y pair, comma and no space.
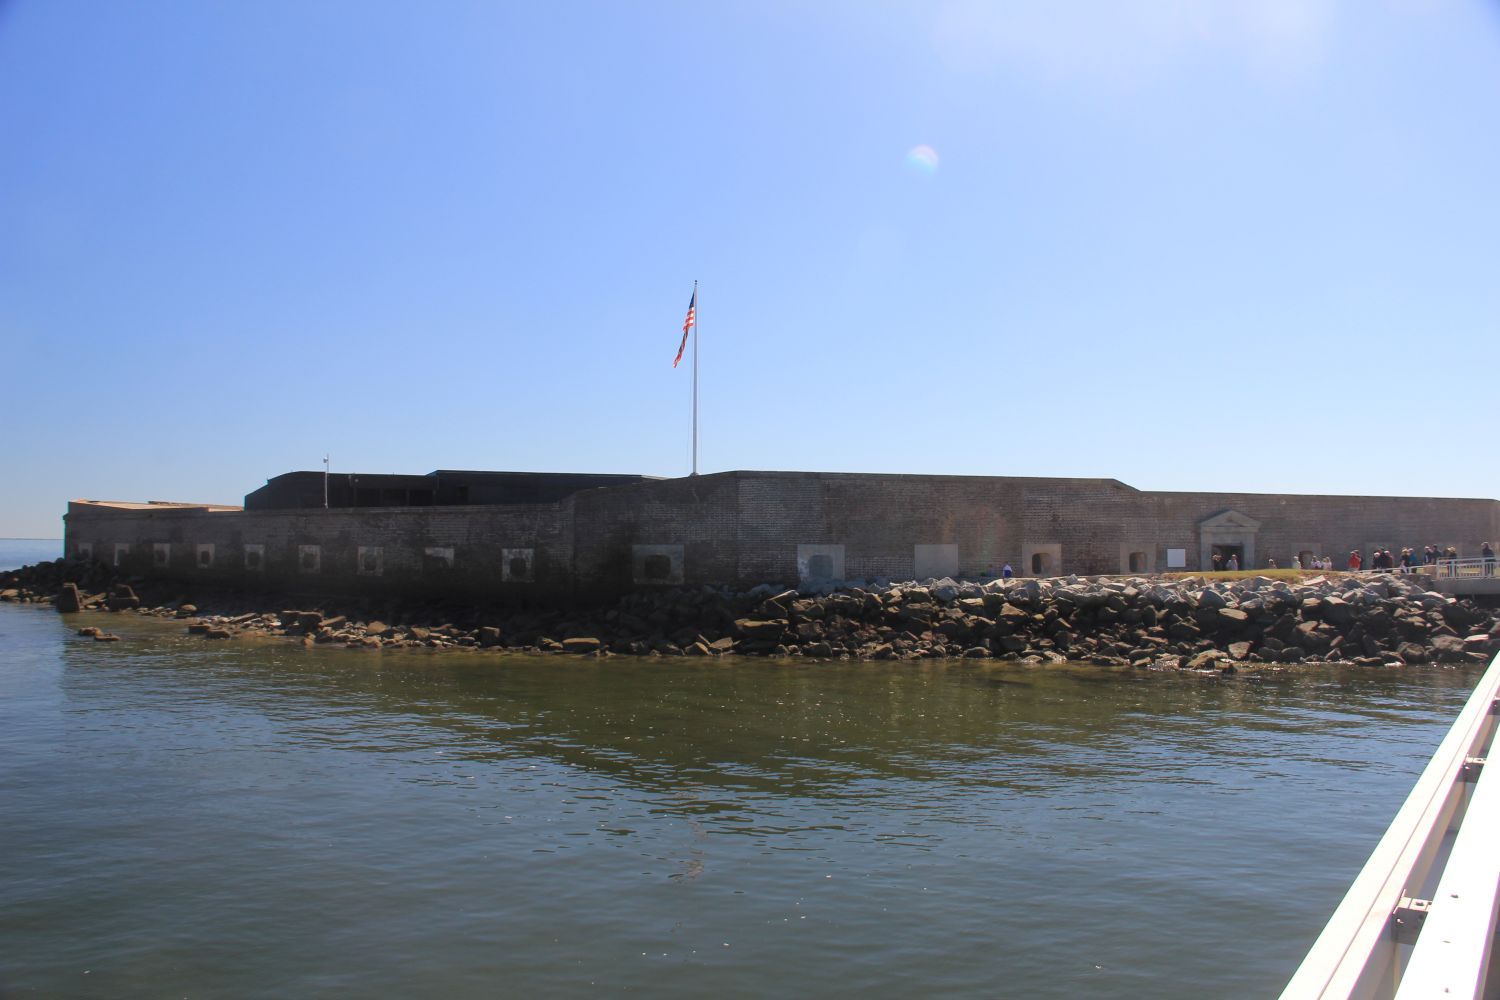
443,488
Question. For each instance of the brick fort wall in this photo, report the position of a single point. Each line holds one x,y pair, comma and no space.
745,528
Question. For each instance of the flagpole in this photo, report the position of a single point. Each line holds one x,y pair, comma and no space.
697,332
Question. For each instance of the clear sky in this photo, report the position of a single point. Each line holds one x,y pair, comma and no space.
1189,245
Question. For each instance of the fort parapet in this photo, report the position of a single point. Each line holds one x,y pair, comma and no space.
556,538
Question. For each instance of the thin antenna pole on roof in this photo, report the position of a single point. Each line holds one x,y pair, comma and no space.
325,481
697,335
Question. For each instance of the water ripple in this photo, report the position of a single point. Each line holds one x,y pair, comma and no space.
262,820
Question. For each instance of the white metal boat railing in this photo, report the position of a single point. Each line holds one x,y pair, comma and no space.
1420,918
1453,953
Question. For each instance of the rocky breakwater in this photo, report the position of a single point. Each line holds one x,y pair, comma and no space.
1144,622
1369,620
72,585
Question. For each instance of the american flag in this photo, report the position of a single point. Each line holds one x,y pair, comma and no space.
687,324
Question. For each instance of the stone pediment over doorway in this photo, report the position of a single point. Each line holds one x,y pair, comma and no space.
1231,520
1228,533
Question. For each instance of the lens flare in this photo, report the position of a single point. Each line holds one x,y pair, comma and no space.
923,159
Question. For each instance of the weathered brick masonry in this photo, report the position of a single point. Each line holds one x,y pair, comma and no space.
489,552
744,528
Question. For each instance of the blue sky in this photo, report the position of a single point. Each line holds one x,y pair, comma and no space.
1229,246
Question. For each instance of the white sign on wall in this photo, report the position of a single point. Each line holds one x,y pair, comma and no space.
1177,559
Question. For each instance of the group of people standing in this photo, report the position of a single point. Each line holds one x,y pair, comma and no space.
1231,564
1432,555
1316,562
1384,559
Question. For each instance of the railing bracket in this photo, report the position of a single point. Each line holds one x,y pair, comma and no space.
1471,769
1407,919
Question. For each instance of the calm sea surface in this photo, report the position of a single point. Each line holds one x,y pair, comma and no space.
18,552
181,818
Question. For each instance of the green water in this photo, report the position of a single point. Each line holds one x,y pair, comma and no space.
198,819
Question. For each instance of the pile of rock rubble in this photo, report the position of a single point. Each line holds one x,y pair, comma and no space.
1187,623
